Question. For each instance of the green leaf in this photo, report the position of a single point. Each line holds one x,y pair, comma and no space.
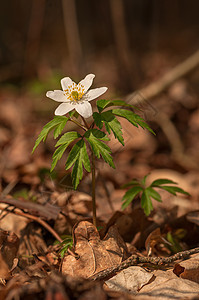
146,203
67,138
111,124
57,155
158,182
66,244
79,157
143,181
131,183
153,194
133,118
94,137
130,195
103,103
57,123
173,190
62,144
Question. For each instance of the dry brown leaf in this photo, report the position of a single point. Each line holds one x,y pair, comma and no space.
167,287
95,255
9,244
153,240
4,269
189,269
130,280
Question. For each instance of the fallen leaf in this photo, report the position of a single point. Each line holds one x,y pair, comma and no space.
94,254
154,239
130,280
189,269
167,286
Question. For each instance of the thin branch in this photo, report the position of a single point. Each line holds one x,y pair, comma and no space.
155,88
135,260
38,220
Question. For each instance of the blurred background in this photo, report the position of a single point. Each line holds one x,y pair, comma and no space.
127,44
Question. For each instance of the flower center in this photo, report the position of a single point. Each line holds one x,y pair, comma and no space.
75,95
74,92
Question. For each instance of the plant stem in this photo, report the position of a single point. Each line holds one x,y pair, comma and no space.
93,190
85,123
93,181
78,124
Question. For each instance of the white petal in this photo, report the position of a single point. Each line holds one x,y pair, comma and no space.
84,109
63,109
65,82
92,94
57,95
87,82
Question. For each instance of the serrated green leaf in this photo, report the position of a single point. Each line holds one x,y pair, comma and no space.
146,203
57,123
79,157
98,119
62,144
94,137
152,193
96,133
67,138
133,118
57,155
111,124
74,154
173,190
103,103
158,182
130,195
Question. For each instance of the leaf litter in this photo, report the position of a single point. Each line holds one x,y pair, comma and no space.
30,260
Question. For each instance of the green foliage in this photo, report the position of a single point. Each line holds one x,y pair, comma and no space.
62,144
133,118
111,124
65,245
148,193
94,138
78,157
108,118
58,124
103,103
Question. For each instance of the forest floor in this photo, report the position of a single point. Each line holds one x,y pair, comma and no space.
39,209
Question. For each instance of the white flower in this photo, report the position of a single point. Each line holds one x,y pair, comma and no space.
76,96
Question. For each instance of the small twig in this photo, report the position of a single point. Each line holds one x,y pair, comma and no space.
38,220
155,88
137,260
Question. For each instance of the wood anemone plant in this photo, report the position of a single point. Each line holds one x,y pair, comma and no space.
75,102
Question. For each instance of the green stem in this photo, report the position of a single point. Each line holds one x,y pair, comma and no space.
93,181
93,190
85,123
78,124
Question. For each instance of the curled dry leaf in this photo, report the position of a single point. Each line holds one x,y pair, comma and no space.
95,255
154,239
188,269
